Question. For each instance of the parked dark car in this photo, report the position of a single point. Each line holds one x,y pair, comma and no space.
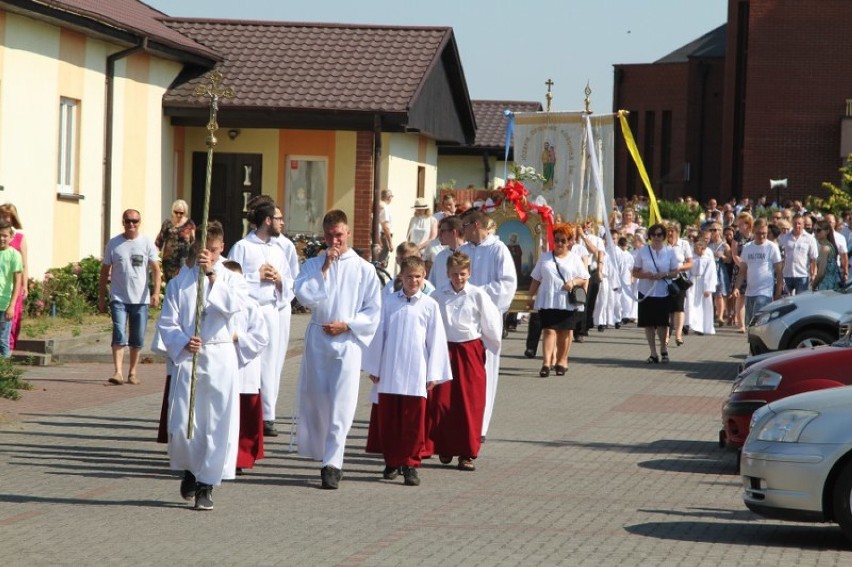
785,374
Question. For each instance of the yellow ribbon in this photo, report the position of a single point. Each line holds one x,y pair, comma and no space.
654,211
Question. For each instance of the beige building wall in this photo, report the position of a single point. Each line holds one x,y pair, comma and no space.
344,173
39,64
469,170
402,155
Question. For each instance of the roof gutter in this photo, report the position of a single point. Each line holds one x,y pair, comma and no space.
108,134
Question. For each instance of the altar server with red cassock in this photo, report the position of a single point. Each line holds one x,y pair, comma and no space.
250,336
406,358
210,456
473,324
343,293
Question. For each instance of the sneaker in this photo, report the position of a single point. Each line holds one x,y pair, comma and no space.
269,429
390,473
330,477
618,325
410,475
601,328
188,486
204,497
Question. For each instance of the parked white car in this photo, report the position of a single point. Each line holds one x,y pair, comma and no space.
797,460
799,321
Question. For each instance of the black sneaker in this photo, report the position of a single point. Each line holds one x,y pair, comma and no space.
204,497
618,325
269,429
601,328
390,473
188,486
330,477
410,476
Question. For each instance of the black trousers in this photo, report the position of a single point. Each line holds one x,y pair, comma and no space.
534,332
587,322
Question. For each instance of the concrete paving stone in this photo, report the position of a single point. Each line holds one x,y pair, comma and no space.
614,464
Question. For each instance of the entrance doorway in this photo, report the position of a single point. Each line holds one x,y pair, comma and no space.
235,180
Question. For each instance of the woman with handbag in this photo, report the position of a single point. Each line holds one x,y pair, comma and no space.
654,267
683,250
558,285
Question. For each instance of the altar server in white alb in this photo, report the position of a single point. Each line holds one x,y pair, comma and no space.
700,295
406,358
267,273
493,269
211,455
343,293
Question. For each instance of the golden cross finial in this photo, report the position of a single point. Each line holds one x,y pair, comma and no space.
588,100
213,91
549,95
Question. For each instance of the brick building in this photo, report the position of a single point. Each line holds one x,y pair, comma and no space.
762,97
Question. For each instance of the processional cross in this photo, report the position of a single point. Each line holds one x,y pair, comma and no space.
214,90
549,95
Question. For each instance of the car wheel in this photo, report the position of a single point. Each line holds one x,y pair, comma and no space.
811,338
842,500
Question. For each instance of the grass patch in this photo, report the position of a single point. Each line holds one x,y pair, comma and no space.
10,380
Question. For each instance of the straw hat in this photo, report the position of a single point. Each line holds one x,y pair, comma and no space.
420,204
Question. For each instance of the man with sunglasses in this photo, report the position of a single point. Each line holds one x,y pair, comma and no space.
128,258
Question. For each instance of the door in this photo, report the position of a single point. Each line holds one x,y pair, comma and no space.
235,180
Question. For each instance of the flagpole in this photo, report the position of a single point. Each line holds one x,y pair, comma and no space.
213,91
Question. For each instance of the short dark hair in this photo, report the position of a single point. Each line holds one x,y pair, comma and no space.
451,223
233,265
333,217
258,200
473,215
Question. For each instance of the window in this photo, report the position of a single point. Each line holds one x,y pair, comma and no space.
305,189
66,174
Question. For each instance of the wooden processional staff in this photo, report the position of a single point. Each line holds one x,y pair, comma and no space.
213,91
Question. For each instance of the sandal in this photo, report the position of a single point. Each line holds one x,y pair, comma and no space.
679,342
653,360
560,370
466,464
116,379
132,379
544,372
665,356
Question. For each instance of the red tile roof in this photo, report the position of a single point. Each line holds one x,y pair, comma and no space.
313,66
119,17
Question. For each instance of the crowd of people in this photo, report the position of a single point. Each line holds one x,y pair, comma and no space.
430,341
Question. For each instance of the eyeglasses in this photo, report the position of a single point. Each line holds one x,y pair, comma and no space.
178,212
131,221
658,234
278,218
562,240
818,230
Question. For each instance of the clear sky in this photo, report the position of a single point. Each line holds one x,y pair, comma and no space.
509,49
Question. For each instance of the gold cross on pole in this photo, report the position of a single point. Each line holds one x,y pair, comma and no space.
549,95
214,90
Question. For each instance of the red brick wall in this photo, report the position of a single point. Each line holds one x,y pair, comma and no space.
655,88
361,224
799,75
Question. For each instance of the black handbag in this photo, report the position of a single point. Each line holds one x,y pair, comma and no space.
671,286
577,295
682,282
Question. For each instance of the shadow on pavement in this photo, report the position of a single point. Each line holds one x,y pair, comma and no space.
816,537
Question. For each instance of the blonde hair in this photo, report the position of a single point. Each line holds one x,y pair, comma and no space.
12,211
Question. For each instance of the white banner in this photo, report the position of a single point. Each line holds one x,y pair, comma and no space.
554,143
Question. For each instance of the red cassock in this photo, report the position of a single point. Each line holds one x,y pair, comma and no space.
458,406
374,443
250,447
401,429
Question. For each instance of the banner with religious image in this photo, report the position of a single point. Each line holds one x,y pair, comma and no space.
554,143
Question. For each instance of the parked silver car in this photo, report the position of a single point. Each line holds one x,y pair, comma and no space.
803,320
797,460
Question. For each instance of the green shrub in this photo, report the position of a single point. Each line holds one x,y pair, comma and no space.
674,211
10,380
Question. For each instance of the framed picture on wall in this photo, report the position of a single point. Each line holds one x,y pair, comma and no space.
305,191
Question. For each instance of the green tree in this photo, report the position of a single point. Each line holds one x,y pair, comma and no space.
839,198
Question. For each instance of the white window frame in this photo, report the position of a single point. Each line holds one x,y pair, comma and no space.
300,218
66,163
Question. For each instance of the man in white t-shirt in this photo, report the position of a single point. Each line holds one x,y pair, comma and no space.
761,267
127,259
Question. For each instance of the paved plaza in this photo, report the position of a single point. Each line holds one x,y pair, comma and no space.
616,463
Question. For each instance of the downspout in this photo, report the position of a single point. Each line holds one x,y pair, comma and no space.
486,168
377,191
108,122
